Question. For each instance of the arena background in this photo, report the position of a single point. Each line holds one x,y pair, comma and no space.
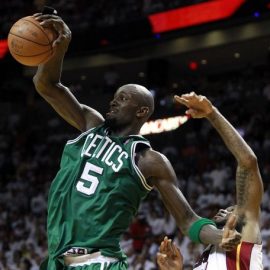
117,42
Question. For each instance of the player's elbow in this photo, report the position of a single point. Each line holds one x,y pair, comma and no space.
43,87
39,84
250,162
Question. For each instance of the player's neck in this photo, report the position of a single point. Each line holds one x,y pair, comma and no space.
124,131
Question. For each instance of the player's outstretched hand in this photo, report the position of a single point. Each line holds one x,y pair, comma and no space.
169,256
55,22
230,238
198,106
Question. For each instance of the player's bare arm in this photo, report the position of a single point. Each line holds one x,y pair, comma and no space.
159,173
48,80
249,186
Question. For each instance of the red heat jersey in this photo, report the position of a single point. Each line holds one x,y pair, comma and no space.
247,256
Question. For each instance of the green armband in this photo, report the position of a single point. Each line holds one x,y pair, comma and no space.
195,229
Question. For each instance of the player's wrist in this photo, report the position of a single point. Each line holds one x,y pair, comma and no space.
211,114
194,231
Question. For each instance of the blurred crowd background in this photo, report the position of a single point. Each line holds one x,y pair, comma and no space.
32,136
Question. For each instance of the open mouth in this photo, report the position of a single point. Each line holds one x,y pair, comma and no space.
111,112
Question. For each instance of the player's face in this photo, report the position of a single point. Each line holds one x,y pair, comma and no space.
222,215
123,108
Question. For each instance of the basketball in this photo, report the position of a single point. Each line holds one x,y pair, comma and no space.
29,43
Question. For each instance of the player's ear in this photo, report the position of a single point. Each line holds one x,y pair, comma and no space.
142,112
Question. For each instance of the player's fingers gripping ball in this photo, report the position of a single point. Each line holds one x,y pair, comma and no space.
30,43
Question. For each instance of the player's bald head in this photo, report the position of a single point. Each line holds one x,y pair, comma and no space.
141,94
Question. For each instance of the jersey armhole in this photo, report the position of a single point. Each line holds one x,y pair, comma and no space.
134,149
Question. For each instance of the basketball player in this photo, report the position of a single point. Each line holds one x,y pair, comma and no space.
249,191
105,173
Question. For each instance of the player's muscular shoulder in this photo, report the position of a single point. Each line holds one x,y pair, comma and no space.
147,161
154,165
92,117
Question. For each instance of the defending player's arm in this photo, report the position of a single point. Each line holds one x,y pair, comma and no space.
158,171
249,186
48,80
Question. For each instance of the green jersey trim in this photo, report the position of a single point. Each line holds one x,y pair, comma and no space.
137,170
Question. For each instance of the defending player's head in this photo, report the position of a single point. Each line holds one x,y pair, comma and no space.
222,216
131,106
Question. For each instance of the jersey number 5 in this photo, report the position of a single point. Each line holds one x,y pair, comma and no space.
90,183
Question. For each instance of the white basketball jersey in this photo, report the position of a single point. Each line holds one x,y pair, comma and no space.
246,256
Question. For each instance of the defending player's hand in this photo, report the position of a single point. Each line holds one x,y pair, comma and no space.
55,22
230,238
169,256
198,106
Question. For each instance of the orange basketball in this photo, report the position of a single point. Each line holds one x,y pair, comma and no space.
30,43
